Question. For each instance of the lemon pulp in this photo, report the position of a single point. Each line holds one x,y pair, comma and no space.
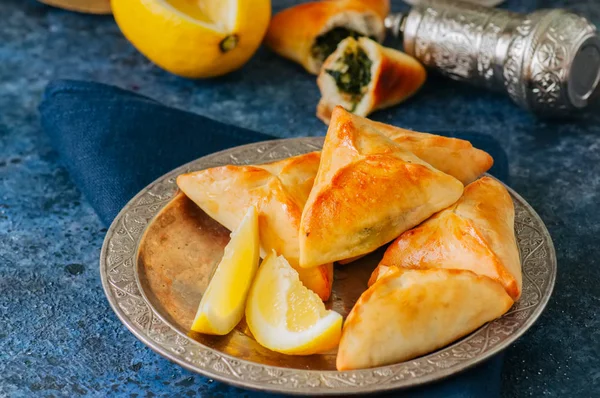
220,14
285,316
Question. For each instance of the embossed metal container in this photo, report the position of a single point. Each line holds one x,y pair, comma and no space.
547,61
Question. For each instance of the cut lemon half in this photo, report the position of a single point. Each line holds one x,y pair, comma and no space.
194,38
285,316
222,305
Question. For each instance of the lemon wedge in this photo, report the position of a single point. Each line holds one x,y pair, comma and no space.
222,305
194,38
285,316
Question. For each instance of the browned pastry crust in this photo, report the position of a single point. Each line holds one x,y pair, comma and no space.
475,234
293,31
451,155
368,191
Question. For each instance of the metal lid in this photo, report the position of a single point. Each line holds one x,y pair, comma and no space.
562,68
584,75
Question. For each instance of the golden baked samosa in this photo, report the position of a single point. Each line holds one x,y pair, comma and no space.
475,234
368,190
362,76
308,33
451,155
412,312
278,190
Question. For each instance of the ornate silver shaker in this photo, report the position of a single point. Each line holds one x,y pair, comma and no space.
547,61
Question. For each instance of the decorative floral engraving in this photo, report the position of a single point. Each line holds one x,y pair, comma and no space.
487,49
461,43
456,355
549,65
546,88
118,273
551,55
447,39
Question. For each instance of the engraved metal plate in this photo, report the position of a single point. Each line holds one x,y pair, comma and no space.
159,253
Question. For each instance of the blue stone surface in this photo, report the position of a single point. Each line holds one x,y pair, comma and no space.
58,336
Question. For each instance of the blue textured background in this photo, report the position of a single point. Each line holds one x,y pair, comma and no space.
58,335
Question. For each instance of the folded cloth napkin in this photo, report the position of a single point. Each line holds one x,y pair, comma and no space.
114,142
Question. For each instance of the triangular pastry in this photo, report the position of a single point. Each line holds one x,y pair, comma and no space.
409,313
368,191
279,191
308,33
451,155
475,234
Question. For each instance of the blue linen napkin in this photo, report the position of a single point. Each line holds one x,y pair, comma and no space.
114,142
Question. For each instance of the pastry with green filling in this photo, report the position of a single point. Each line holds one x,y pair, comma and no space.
308,33
362,76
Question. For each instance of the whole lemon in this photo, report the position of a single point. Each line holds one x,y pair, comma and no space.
195,39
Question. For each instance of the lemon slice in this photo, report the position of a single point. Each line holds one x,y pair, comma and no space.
194,38
285,316
222,305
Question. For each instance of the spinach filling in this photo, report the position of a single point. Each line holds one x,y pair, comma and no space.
352,73
326,43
